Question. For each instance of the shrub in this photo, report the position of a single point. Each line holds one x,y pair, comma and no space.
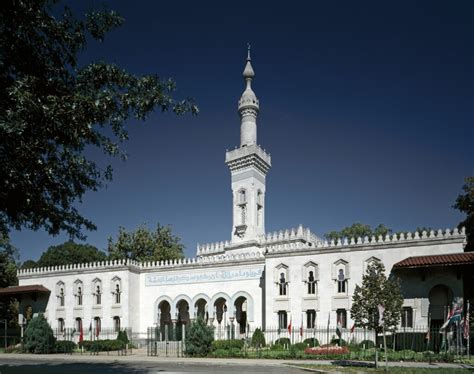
283,341
65,346
367,344
199,338
258,339
277,347
86,344
299,346
227,344
339,341
123,337
39,336
311,342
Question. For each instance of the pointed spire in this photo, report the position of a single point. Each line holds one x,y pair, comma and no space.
248,71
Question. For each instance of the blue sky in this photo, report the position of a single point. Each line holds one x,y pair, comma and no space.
366,107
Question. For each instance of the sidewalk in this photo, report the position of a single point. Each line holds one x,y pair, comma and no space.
138,357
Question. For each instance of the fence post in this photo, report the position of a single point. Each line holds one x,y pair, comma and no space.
183,339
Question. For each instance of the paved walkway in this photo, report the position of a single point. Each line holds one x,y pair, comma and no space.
139,357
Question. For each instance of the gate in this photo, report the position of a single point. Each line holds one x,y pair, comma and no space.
165,341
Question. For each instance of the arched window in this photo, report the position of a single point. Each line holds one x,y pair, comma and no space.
97,291
282,319
342,317
78,292
79,296
116,324
242,197
60,293
117,294
311,283
341,282
407,316
61,325
282,284
61,296
97,324
310,318
78,324
98,295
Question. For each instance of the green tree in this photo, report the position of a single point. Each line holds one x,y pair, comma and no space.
465,204
146,245
28,264
8,262
377,289
70,253
199,338
39,336
357,230
52,110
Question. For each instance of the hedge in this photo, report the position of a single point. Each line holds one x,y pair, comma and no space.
102,345
65,346
227,344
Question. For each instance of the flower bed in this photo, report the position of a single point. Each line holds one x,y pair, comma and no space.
327,350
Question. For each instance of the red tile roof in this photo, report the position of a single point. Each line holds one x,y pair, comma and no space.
437,260
23,289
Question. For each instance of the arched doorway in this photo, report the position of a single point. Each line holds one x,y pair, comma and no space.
183,318
164,318
241,313
200,309
220,315
440,298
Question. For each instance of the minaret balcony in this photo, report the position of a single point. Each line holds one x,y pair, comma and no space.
250,155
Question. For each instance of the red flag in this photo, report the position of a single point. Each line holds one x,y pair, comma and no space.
81,333
289,328
352,328
466,323
97,328
301,330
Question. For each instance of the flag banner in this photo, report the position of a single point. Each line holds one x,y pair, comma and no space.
339,327
454,315
81,334
466,323
289,327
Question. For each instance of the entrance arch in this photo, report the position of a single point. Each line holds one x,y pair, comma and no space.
240,305
440,297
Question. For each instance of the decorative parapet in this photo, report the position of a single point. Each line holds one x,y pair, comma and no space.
211,248
300,233
409,237
142,266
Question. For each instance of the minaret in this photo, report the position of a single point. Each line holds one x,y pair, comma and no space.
248,165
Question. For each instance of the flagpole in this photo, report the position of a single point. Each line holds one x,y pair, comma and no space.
327,345
468,327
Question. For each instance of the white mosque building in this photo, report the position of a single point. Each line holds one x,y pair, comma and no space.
255,279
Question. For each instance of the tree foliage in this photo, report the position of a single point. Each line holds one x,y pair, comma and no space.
258,338
199,338
465,204
358,230
377,289
39,336
8,262
52,109
68,253
146,245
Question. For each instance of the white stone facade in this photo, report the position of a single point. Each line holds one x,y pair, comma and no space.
255,279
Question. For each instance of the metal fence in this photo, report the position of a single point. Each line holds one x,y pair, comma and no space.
92,334
166,341
417,338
